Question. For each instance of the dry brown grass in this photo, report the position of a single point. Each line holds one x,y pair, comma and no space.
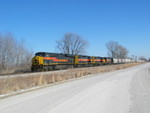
8,85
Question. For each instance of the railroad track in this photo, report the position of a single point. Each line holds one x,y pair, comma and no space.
29,74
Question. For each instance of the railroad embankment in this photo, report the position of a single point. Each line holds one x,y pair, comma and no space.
16,83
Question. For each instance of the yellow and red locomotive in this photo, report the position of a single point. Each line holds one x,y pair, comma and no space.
44,61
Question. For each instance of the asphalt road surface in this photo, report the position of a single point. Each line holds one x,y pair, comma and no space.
123,91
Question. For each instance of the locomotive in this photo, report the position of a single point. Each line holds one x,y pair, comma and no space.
44,61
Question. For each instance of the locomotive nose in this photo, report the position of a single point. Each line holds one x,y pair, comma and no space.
37,60
34,61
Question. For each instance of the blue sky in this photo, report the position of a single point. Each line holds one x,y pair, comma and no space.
41,22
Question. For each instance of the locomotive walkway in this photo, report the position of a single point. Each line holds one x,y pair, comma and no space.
122,91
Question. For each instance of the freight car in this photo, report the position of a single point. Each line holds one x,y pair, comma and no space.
44,61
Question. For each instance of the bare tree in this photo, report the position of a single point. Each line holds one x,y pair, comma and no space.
116,50
13,54
72,44
112,47
122,52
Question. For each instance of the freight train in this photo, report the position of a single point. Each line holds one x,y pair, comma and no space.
43,61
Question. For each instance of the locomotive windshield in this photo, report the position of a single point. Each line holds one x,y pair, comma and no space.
40,54
43,54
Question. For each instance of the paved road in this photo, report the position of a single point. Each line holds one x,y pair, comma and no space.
123,91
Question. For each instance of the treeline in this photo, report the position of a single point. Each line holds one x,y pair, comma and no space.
74,44
14,56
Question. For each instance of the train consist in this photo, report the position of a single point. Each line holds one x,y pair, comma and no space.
44,61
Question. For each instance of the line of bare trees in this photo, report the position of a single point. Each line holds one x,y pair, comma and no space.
143,58
115,50
14,56
74,44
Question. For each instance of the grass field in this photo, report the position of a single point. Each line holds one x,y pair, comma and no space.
12,84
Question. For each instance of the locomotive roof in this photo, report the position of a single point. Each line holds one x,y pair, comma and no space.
51,54
46,53
69,55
